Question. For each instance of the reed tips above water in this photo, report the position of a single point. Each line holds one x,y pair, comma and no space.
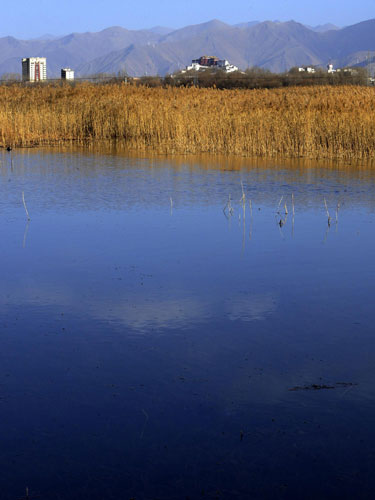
327,212
312,122
24,204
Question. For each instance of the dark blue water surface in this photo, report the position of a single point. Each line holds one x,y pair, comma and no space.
154,347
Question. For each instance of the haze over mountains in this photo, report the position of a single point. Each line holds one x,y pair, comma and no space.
274,45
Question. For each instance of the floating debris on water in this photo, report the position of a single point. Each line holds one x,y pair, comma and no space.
319,387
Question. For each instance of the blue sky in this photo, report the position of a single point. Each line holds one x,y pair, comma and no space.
65,16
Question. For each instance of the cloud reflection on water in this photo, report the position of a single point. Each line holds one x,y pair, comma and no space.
145,312
253,307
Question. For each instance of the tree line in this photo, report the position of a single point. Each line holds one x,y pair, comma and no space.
252,78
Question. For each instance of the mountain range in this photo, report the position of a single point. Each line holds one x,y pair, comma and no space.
273,45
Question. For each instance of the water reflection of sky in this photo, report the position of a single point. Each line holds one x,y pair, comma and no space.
146,338
133,183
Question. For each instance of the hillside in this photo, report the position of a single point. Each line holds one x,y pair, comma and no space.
273,45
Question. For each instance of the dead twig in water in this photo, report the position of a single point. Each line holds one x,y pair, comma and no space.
25,234
293,213
329,218
24,204
278,207
293,204
319,387
337,212
243,199
144,425
229,207
280,223
28,496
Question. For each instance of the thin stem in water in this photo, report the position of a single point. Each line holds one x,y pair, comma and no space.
24,204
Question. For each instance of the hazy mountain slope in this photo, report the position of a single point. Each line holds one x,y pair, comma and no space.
10,46
273,45
276,46
165,57
12,50
343,45
206,29
170,54
12,65
47,36
322,28
246,25
161,30
71,50
76,48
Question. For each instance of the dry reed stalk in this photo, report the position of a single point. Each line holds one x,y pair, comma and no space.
145,422
24,204
337,212
278,206
314,122
243,197
293,204
243,200
328,216
25,234
228,207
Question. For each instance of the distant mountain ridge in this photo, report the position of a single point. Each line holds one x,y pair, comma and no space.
160,50
321,28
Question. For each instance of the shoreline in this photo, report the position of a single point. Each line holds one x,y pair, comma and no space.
305,122
207,160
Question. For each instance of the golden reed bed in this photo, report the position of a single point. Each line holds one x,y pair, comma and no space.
313,122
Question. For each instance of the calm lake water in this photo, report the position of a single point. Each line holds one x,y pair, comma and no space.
158,349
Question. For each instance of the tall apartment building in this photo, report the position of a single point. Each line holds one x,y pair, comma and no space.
34,69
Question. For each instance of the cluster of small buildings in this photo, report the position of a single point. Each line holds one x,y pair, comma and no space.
214,63
307,69
210,62
330,69
34,69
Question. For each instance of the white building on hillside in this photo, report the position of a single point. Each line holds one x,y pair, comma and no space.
209,62
34,69
307,69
